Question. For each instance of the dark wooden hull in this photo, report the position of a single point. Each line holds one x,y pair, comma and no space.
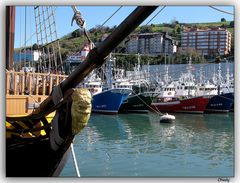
36,159
31,154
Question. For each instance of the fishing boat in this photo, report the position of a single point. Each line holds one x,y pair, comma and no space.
110,100
178,96
138,103
114,93
107,101
187,105
37,147
220,103
139,100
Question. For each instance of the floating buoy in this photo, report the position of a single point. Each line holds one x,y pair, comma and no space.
166,118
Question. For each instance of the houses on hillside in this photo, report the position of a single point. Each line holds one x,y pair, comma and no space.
151,43
206,42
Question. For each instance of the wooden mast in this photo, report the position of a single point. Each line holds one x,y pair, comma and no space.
10,28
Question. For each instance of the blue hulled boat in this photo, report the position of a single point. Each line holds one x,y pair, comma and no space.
109,101
220,103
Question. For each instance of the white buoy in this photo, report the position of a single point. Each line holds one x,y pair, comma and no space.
166,118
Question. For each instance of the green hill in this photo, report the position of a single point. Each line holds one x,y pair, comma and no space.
75,40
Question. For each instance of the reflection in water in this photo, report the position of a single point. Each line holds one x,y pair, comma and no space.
139,145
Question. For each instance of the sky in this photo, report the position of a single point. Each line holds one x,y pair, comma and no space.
96,15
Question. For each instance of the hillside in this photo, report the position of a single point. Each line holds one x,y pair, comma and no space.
75,40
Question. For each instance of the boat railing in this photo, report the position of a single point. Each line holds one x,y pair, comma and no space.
31,83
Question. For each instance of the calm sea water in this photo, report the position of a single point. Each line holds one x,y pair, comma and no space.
130,145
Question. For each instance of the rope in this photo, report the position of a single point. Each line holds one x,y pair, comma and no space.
157,111
111,16
156,14
221,10
75,161
81,23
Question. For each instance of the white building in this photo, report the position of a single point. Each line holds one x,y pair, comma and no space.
151,43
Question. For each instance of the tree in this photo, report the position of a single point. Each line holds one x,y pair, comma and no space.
76,33
146,29
35,46
223,20
231,24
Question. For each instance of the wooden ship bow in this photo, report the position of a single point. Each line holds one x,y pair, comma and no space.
37,146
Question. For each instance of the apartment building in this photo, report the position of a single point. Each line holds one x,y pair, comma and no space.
207,42
151,43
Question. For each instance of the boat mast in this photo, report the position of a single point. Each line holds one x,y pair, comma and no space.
138,72
227,74
166,75
109,71
10,29
219,77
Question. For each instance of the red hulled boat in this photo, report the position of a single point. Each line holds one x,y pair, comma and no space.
188,105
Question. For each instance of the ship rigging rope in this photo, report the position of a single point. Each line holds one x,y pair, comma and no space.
111,16
223,11
82,24
156,14
75,160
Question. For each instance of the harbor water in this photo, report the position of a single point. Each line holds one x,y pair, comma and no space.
138,145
